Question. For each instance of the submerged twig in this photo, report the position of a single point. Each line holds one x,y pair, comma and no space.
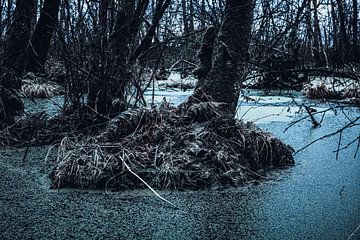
157,194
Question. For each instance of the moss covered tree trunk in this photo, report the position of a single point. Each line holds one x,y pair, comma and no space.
40,41
220,84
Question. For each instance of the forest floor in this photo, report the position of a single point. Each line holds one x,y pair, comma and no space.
315,199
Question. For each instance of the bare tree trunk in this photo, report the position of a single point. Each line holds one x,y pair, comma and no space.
191,16
98,96
184,16
41,39
203,14
343,35
19,35
14,61
355,30
309,29
107,88
318,51
234,36
295,26
1,18
205,55
146,42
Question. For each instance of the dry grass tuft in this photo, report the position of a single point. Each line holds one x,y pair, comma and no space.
321,92
165,149
41,89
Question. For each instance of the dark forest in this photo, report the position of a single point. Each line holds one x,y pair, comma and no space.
179,119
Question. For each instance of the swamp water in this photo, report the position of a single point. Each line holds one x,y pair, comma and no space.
318,198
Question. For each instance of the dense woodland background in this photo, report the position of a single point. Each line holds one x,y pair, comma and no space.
109,52
104,44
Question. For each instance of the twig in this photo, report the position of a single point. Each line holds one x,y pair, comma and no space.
26,153
353,233
157,194
349,125
313,120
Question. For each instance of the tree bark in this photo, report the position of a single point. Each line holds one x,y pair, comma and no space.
41,39
232,56
1,19
355,31
108,88
191,16
18,39
184,16
146,42
14,62
203,14
205,55
318,51
343,48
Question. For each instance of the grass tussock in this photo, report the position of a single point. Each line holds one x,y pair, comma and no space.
322,92
165,148
41,89
349,94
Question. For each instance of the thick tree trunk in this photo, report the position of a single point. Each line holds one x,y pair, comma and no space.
14,61
235,35
205,55
19,35
41,39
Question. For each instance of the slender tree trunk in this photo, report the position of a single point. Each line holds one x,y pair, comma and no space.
309,29
355,31
318,44
126,27
191,16
98,98
41,39
234,36
203,14
146,42
184,16
335,33
343,50
1,18
293,36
